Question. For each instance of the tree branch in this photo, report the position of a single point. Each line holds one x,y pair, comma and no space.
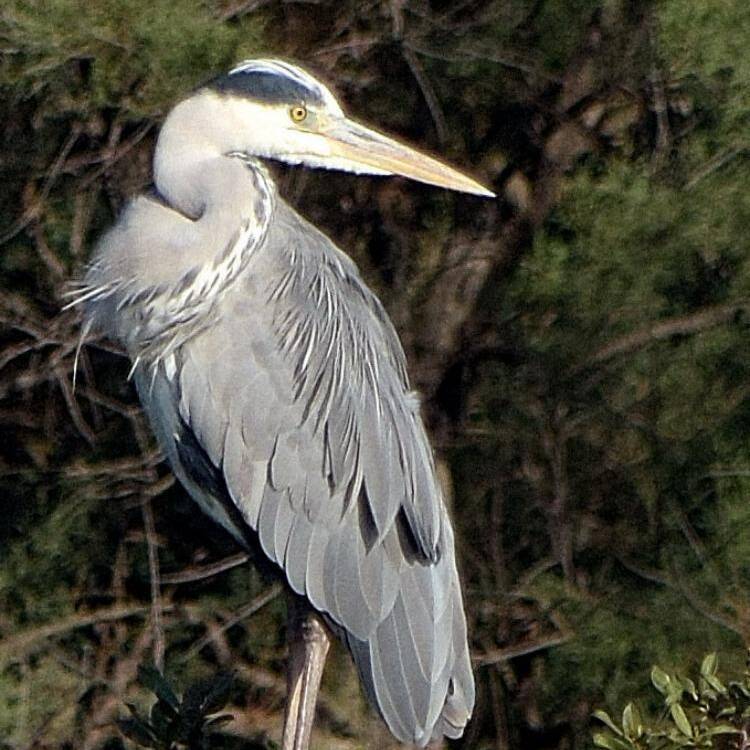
683,325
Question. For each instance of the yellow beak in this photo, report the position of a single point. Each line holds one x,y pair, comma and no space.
362,149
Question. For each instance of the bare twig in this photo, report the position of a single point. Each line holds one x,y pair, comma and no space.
32,212
158,486
663,133
73,408
242,613
461,54
521,649
427,91
82,212
682,325
714,165
54,266
242,8
153,570
17,645
664,579
198,573
114,153
554,441
689,533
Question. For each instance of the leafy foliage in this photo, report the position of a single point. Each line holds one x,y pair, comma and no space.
79,57
173,722
581,345
708,714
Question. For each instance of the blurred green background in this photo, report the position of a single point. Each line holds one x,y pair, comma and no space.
581,344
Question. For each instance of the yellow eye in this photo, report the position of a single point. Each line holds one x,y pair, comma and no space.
298,113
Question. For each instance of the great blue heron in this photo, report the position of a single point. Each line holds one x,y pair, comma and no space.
277,388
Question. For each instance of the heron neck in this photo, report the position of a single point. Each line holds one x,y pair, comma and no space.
206,187
191,169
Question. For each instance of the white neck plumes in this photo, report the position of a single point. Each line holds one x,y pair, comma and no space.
159,271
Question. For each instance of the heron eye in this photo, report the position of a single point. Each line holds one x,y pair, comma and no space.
298,113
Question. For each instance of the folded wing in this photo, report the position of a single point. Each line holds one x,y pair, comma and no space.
298,399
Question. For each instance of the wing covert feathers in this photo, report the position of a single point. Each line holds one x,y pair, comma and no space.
298,394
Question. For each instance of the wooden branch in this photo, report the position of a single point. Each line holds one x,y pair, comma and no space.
198,573
661,110
683,325
70,401
153,570
36,203
428,92
114,152
248,610
714,165
521,649
20,644
663,579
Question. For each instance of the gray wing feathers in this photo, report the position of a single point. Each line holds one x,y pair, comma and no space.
416,670
299,395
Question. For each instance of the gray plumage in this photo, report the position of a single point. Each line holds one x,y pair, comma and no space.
277,388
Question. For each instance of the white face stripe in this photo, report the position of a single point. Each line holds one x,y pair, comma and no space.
287,70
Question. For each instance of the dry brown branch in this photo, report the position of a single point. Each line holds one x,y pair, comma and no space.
714,165
24,642
362,44
135,468
683,325
36,202
118,677
276,685
248,610
200,572
153,570
520,649
428,91
476,52
661,110
83,209
664,579
114,152
117,407
50,260
242,8
498,712
554,442
73,408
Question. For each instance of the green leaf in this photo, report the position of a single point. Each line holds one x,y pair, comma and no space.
660,679
604,717
206,697
608,742
164,720
674,692
150,677
709,665
740,688
727,711
218,720
689,687
631,722
722,729
715,683
218,694
680,719
137,731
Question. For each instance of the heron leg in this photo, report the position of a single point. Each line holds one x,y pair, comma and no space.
308,647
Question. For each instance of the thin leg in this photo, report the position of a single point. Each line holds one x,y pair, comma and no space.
308,647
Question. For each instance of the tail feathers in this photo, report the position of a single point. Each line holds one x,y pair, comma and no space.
418,708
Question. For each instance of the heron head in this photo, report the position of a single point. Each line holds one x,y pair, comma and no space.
277,110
